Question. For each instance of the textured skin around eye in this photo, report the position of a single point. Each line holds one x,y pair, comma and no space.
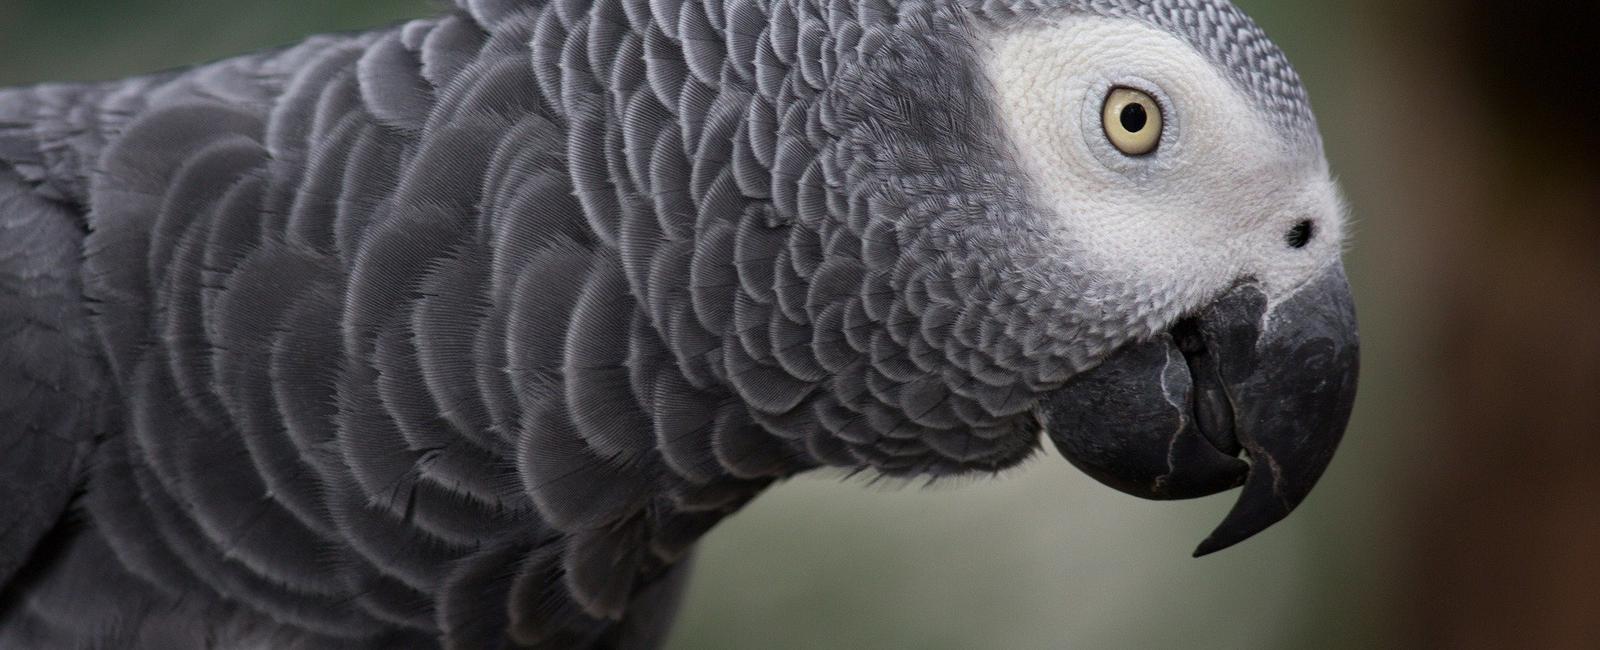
464,332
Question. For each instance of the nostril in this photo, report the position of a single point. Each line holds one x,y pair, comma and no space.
1301,234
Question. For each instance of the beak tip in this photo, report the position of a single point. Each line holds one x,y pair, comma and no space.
1218,541
1215,542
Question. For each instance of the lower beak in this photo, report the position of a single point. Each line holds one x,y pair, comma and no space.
1166,418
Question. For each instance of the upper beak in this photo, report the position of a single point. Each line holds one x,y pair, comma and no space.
1165,418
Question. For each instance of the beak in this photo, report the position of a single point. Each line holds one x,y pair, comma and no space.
1167,418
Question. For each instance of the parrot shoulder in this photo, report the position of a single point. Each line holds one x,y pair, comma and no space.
50,381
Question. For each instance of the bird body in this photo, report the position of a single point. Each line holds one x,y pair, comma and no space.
464,331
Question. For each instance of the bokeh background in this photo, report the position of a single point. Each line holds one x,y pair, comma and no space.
1463,510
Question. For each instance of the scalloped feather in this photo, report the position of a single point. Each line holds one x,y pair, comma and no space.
392,85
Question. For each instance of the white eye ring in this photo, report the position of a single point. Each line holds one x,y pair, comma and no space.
1132,121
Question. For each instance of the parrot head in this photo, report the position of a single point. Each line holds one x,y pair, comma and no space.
1203,198
1130,215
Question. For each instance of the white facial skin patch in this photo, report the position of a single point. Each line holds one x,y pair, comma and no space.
1218,199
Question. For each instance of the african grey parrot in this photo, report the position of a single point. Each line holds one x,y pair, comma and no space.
463,332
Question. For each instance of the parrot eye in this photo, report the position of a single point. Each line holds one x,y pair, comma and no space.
1132,121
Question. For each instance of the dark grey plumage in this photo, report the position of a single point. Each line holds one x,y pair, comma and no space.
464,331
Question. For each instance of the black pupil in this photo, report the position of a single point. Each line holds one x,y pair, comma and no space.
1134,118
1300,234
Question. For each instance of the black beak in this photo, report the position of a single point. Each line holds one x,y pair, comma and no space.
1166,418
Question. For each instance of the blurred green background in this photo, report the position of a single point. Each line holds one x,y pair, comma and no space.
1462,510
